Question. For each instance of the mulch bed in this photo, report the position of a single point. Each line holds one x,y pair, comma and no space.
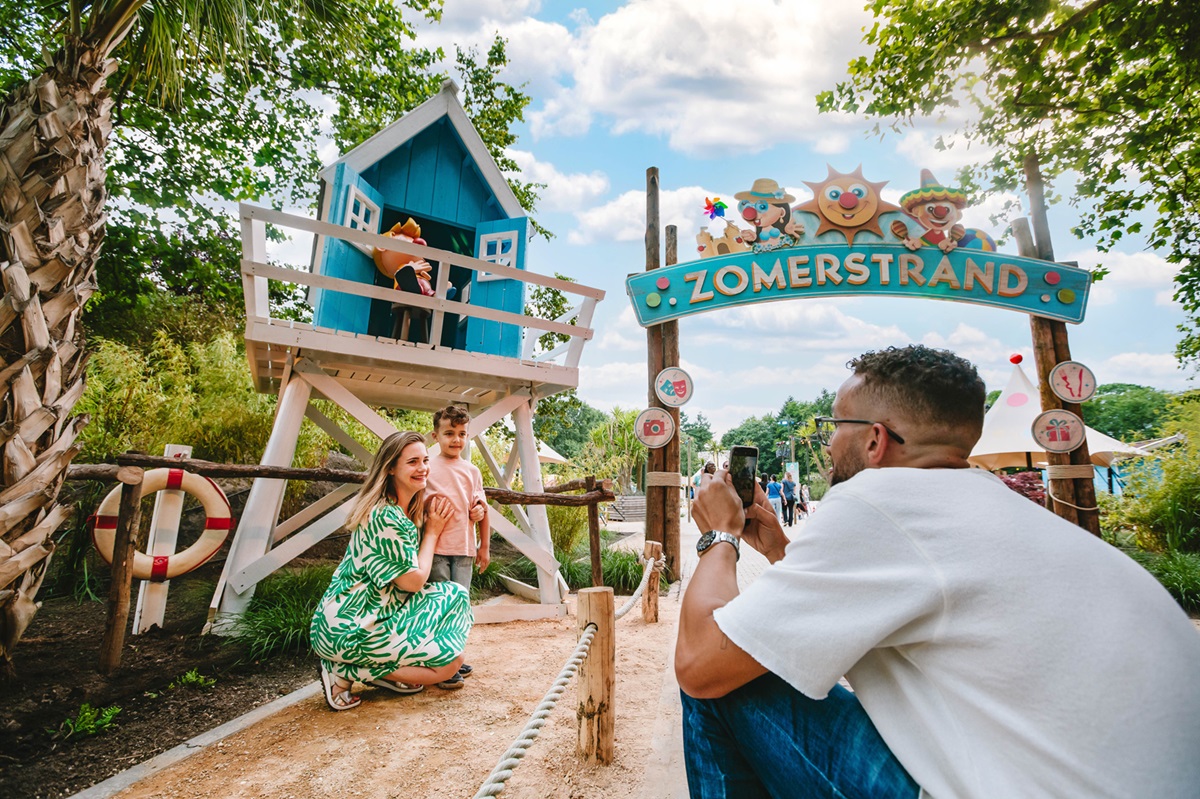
56,664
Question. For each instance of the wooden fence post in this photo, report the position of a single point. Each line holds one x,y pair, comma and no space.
653,552
124,542
597,676
593,511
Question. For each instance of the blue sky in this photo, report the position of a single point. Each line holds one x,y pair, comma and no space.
717,94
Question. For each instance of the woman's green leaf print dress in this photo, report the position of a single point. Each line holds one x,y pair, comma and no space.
366,628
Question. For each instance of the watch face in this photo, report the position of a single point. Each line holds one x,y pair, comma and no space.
706,541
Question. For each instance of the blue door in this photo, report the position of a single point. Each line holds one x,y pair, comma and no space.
500,242
354,204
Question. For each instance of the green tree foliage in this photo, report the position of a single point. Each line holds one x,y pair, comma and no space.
1107,91
698,429
205,125
614,451
773,434
1125,411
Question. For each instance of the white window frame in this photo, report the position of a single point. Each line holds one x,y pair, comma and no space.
501,257
360,221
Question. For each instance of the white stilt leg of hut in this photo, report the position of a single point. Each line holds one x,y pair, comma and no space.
253,536
531,478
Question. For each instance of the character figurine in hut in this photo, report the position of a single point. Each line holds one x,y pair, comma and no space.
409,273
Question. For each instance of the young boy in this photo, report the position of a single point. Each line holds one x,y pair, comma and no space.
458,480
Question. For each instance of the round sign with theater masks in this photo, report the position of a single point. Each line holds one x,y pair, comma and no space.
673,387
1058,431
654,427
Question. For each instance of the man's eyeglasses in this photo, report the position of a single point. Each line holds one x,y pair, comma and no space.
827,424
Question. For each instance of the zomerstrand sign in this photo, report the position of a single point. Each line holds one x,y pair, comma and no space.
810,250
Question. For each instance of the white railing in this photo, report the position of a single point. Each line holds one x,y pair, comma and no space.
256,272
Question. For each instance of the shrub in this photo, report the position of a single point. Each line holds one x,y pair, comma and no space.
622,569
1179,573
1027,484
1162,501
278,618
568,527
193,679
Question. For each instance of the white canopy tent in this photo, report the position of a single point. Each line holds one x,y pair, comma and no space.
1008,441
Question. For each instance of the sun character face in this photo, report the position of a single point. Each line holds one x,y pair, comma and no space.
847,205
847,202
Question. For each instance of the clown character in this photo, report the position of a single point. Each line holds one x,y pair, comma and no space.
938,210
767,207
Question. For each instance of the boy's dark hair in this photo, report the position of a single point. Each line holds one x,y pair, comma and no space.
452,414
926,384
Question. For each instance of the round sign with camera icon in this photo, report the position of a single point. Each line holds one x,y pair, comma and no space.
673,387
654,427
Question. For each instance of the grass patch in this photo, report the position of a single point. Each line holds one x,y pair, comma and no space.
1178,572
279,616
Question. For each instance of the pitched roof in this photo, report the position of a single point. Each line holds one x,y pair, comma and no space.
443,104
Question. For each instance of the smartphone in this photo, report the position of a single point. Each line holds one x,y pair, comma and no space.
743,463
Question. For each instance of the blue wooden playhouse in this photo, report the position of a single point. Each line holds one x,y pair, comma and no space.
432,166
481,350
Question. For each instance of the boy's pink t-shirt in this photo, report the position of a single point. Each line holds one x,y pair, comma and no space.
461,482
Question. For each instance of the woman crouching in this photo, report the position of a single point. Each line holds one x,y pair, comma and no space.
379,623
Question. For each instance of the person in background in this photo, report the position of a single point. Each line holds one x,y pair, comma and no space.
775,495
454,477
379,623
789,499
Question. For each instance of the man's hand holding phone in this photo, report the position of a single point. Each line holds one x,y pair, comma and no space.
718,507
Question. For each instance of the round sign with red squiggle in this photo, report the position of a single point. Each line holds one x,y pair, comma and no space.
1071,381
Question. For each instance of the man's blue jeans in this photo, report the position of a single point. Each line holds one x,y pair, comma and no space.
766,739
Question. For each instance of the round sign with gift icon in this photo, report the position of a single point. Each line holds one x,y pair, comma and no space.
1071,381
654,427
673,387
1058,431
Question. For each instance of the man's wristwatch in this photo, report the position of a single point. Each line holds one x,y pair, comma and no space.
712,537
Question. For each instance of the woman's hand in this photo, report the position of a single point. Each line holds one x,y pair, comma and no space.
437,514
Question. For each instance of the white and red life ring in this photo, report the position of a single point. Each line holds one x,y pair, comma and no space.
159,568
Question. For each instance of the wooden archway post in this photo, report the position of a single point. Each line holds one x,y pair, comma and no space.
662,347
1074,499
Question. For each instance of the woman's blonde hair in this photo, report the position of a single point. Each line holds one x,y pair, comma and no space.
379,489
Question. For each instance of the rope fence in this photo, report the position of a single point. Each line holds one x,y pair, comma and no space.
597,675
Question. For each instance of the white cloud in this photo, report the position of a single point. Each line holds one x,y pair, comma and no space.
1161,370
562,192
919,146
1140,270
621,335
695,70
618,383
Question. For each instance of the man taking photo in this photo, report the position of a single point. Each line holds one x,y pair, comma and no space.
993,649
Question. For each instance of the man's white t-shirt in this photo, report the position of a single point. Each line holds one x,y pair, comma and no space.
999,650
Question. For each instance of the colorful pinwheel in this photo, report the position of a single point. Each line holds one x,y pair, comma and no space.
714,207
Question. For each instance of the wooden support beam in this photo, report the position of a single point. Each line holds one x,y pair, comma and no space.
656,457
129,515
597,676
670,496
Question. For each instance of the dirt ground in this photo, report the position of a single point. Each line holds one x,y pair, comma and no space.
444,744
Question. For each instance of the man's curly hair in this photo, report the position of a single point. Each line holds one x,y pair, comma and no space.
925,383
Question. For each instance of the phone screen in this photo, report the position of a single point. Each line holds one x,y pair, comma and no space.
743,463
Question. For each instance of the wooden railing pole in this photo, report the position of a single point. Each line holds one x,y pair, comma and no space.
128,519
597,676
593,514
652,552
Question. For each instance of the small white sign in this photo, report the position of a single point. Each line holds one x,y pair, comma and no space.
673,386
1071,381
654,427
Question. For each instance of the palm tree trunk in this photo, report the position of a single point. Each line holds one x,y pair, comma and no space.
53,133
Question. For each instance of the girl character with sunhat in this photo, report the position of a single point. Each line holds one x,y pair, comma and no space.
768,208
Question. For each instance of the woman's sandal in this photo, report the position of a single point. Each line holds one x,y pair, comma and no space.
398,687
337,697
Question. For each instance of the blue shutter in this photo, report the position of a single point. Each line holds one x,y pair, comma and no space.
333,309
